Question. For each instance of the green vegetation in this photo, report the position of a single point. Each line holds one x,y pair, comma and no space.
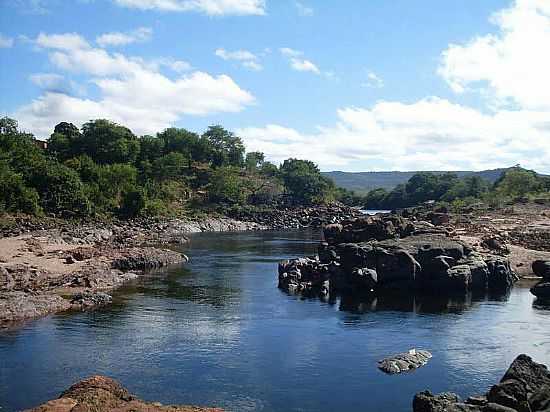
514,184
104,170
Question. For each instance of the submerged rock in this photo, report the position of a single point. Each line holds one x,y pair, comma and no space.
100,393
404,362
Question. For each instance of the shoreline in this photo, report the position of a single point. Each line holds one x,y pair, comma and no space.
50,265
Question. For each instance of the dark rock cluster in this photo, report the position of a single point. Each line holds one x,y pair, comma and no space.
525,387
371,254
281,218
542,289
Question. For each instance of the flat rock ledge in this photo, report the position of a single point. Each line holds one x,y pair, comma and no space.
100,393
525,387
404,362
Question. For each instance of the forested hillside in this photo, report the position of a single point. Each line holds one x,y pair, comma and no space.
365,181
104,170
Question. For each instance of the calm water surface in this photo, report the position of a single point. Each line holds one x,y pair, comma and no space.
219,332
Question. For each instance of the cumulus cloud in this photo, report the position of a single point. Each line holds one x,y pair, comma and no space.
248,59
139,35
432,133
5,42
209,7
512,65
132,91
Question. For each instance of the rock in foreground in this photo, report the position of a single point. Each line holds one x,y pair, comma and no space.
100,393
405,362
525,387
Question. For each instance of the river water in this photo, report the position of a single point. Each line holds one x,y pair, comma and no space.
217,331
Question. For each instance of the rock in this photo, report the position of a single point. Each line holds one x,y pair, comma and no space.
305,275
6,280
18,306
541,290
520,384
396,268
541,268
100,393
89,299
525,387
428,402
478,269
404,362
363,280
501,276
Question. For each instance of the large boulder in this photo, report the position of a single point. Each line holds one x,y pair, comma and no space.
479,270
541,290
501,277
525,387
395,268
542,268
520,386
355,255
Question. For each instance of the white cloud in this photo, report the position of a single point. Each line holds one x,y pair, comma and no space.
511,65
5,42
132,91
297,62
248,59
373,81
288,52
432,133
303,65
304,10
141,34
209,7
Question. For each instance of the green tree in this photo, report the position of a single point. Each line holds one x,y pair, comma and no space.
226,149
518,182
228,186
304,182
254,160
107,142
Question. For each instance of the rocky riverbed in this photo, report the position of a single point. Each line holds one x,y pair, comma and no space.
50,265
525,387
99,393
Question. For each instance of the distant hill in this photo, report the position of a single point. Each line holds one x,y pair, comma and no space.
365,181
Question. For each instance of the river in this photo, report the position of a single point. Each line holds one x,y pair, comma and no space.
217,331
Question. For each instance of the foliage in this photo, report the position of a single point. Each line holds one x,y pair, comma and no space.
304,182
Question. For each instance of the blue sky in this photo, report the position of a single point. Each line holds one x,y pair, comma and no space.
352,85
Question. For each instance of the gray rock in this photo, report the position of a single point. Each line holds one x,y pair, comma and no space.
404,362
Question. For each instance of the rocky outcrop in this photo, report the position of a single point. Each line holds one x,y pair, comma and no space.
383,253
28,292
541,290
525,387
280,218
404,362
100,393
18,305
